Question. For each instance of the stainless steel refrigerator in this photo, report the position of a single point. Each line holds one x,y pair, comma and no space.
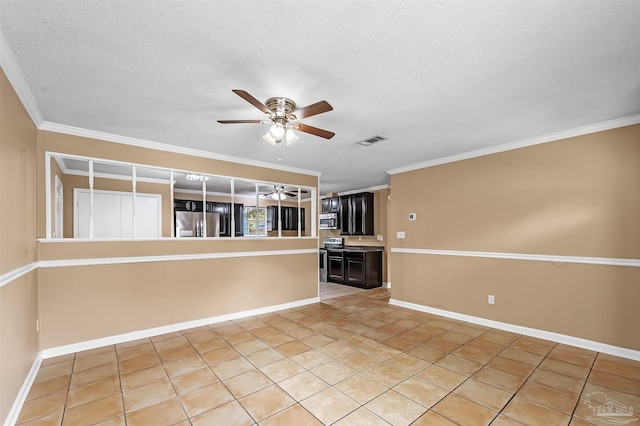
191,224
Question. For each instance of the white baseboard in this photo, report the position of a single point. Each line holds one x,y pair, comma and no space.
12,417
533,332
127,337
387,284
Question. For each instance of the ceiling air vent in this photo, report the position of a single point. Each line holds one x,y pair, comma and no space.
372,140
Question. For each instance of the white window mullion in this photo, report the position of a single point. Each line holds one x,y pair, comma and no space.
173,225
133,201
233,210
90,198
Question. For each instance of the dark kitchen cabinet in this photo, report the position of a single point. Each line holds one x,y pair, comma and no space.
289,218
356,214
355,267
335,266
223,209
331,205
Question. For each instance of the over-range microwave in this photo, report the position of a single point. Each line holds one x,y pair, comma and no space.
329,221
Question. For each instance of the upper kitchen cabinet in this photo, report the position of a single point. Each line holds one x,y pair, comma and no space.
331,205
356,214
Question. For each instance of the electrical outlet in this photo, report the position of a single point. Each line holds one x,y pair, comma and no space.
491,299
400,234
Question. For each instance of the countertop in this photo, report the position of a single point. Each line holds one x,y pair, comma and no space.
355,248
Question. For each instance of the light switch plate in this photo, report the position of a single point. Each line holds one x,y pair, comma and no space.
400,234
412,216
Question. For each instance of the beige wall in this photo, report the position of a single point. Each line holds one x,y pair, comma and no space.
574,197
18,298
91,302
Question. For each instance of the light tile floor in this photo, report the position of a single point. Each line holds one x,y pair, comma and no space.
349,360
331,290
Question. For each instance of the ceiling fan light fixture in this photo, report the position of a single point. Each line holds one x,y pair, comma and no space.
277,196
276,131
196,178
290,136
267,138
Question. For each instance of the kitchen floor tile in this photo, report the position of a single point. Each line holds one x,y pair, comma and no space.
94,412
54,370
425,393
311,359
93,392
499,379
548,397
431,418
49,386
303,385
166,413
142,378
583,359
361,416
464,412
612,381
148,395
533,414
565,368
459,365
228,369
483,394
92,375
247,383
558,381
281,370
441,376
329,405
138,363
293,348
43,406
266,402
54,419
349,360
205,399
361,388
333,372
185,365
395,408
194,380
386,374
229,414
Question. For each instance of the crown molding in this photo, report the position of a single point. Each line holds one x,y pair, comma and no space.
551,137
14,74
357,191
143,143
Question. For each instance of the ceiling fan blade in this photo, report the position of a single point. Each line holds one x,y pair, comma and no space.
290,194
239,121
314,109
314,131
253,101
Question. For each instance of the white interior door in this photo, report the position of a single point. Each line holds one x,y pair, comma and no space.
113,214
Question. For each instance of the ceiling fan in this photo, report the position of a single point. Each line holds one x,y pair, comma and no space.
283,114
282,193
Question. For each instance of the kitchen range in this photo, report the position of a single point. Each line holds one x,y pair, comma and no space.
358,266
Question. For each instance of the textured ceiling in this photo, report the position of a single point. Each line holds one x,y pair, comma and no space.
436,78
